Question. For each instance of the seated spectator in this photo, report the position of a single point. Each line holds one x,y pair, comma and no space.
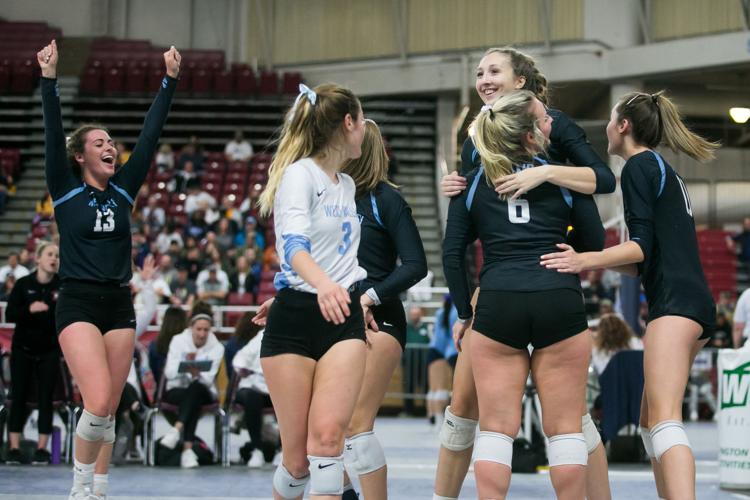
252,395
721,338
193,262
191,152
197,198
612,335
26,258
725,306
605,307
197,226
183,288
741,330
232,212
244,330
245,279
271,260
165,158
153,215
173,322
7,189
238,149
13,267
175,250
593,292
44,209
224,235
212,285
35,352
743,240
191,389
184,177
250,237
166,236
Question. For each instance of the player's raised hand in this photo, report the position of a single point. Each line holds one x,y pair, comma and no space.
47,59
172,60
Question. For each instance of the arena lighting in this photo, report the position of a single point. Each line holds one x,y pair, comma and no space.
739,115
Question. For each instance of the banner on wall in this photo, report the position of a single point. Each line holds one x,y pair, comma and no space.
734,418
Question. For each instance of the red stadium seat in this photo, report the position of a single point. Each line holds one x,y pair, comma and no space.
240,299
113,81
91,80
201,82
155,76
4,79
22,78
223,83
135,80
244,82
266,287
291,83
183,85
262,297
269,83
215,166
238,166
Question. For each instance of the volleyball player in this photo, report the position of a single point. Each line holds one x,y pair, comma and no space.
313,350
663,250
389,234
95,318
520,303
502,70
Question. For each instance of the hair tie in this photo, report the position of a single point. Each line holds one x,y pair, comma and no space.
655,99
488,108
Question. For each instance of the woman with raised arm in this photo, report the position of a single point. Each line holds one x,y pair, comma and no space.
95,319
663,251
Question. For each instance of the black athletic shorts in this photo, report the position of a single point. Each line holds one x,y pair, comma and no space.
106,306
434,355
391,319
295,325
541,319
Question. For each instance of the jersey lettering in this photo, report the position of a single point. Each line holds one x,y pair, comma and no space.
346,227
518,211
109,222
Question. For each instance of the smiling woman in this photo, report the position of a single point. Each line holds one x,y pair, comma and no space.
95,319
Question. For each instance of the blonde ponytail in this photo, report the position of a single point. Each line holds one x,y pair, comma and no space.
678,137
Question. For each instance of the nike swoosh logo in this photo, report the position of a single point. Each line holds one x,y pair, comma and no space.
321,466
95,425
349,447
296,485
321,192
387,324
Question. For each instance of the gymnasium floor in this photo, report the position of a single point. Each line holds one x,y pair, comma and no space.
410,446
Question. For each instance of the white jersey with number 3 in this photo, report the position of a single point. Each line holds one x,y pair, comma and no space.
314,214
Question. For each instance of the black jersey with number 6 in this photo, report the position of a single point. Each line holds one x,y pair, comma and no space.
95,238
514,234
659,217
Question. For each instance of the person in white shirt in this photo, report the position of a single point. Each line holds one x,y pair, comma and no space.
315,328
193,388
252,395
197,198
238,149
742,320
13,267
612,336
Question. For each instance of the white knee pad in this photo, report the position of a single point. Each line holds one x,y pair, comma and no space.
494,447
435,496
667,434
326,475
590,433
567,449
363,453
647,445
287,485
92,428
110,436
457,433
442,395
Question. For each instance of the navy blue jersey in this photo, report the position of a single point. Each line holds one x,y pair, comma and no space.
95,238
389,233
514,234
660,219
568,144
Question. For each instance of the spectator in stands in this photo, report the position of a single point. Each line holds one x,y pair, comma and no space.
193,262
246,278
35,352
156,289
154,215
123,154
721,338
593,292
412,367
213,285
185,177
191,387
7,287
165,158
140,248
26,258
252,395
244,330
173,322
197,198
441,359
238,149
251,237
271,259
742,320
197,226
605,307
231,212
13,267
725,306
193,152
224,235
743,239
612,336
166,236
43,208
183,288
7,189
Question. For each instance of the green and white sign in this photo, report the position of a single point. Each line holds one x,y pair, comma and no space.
734,418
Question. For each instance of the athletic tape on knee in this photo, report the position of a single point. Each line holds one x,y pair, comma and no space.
647,445
326,475
590,433
287,485
667,434
363,453
457,433
109,435
92,428
494,447
567,449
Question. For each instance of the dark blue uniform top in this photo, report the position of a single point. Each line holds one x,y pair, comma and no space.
568,143
95,239
514,234
35,332
389,233
660,219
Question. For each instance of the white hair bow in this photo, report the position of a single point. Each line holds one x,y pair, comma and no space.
306,91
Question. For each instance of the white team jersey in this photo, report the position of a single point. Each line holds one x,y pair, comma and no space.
313,214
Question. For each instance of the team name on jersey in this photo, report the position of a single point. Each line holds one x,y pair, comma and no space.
341,211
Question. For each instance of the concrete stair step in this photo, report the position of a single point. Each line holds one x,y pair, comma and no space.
16,214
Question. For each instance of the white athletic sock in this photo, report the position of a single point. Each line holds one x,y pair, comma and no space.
101,482
83,475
